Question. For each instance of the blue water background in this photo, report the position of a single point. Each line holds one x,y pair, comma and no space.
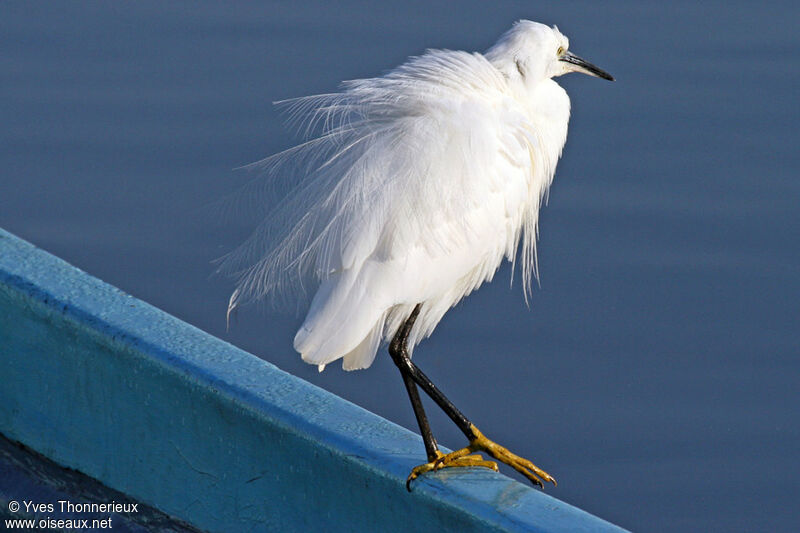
656,372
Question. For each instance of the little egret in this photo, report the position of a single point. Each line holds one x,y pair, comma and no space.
406,196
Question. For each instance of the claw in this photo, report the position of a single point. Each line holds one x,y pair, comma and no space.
447,461
466,458
520,464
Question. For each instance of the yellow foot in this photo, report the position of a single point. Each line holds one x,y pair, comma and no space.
442,461
462,458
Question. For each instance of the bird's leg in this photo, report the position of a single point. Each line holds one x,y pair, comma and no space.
396,349
477,441
399,352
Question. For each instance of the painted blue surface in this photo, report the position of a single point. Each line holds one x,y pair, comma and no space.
26,476
153,407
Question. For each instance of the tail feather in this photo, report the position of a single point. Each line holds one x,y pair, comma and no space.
363,354
344,321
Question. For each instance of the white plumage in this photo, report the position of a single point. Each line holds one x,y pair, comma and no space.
411,188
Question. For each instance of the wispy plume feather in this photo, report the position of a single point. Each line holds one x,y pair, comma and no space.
387,164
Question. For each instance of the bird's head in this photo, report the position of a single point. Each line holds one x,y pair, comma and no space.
536,52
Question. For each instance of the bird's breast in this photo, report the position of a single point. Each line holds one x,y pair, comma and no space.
549,112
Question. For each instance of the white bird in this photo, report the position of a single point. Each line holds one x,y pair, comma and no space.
408,194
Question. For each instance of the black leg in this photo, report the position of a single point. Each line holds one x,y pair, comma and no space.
399,352
431,448
397,349
413,376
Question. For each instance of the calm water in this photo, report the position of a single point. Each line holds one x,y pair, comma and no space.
656,373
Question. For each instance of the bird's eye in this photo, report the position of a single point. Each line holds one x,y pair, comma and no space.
560,50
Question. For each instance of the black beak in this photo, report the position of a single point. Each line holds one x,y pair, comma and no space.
585,66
